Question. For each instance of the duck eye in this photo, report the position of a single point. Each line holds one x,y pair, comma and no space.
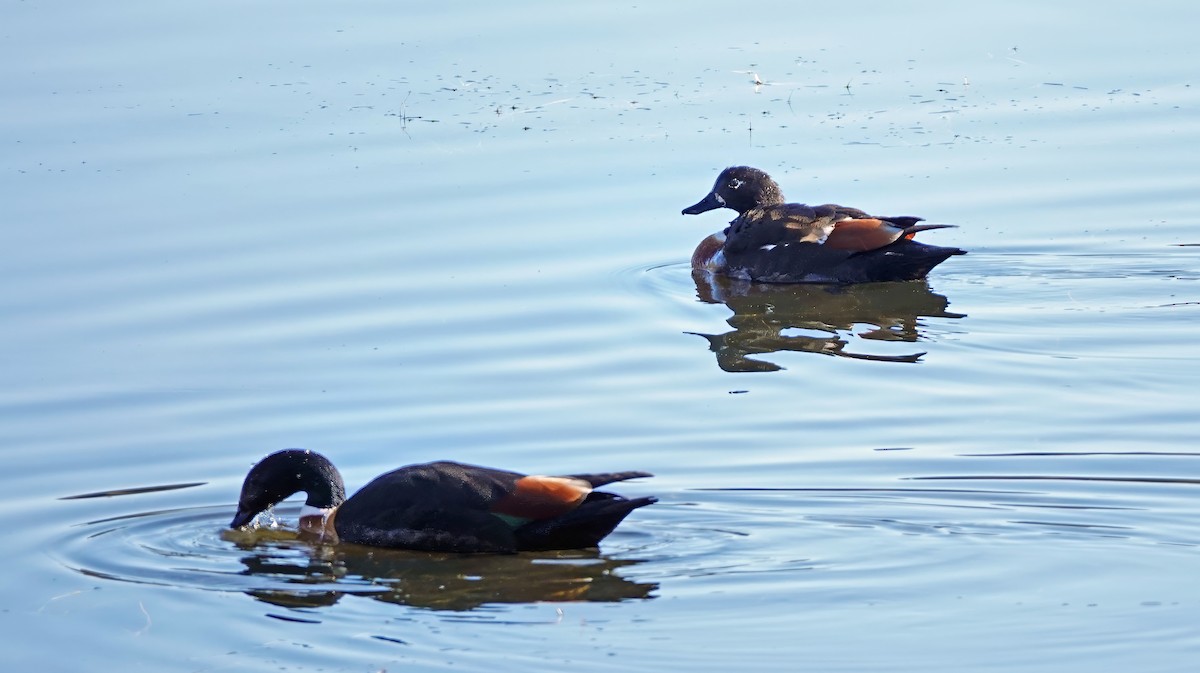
735,183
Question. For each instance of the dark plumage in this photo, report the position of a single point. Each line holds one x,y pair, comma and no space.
441,506
778,242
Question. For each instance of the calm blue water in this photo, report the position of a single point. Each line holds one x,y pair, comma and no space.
396,234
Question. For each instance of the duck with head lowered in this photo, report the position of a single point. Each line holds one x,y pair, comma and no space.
772,241
440,506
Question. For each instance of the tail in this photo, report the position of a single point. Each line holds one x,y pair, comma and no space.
600,479
912,230
584,526
906,259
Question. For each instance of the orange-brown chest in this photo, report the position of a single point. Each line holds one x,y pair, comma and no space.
709,255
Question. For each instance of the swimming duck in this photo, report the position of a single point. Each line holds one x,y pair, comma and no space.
440,506
772,241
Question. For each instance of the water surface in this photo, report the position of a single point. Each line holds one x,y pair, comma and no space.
403,234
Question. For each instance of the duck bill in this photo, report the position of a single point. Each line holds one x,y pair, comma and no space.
242,518
710,202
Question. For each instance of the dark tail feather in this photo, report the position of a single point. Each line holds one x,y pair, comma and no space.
907,260
584,526
912,230
600,479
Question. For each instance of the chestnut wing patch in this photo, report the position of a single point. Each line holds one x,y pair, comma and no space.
539,497
862,235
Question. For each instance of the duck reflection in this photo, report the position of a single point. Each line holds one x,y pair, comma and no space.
764,313
431,580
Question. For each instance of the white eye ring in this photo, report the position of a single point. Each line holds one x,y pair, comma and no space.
736,183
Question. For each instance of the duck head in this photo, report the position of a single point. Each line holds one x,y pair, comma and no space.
739,188
283,473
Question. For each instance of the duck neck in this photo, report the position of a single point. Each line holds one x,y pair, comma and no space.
769,196
317,477
324,492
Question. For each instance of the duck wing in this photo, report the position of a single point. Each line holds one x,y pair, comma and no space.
863,234
441,506
855,230
776,225
849,213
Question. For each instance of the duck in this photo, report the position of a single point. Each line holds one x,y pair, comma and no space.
441,506
772,241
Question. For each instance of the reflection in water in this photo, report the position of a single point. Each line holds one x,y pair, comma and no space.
319,575
762,313
193,548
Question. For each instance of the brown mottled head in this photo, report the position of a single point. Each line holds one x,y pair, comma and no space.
739,188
